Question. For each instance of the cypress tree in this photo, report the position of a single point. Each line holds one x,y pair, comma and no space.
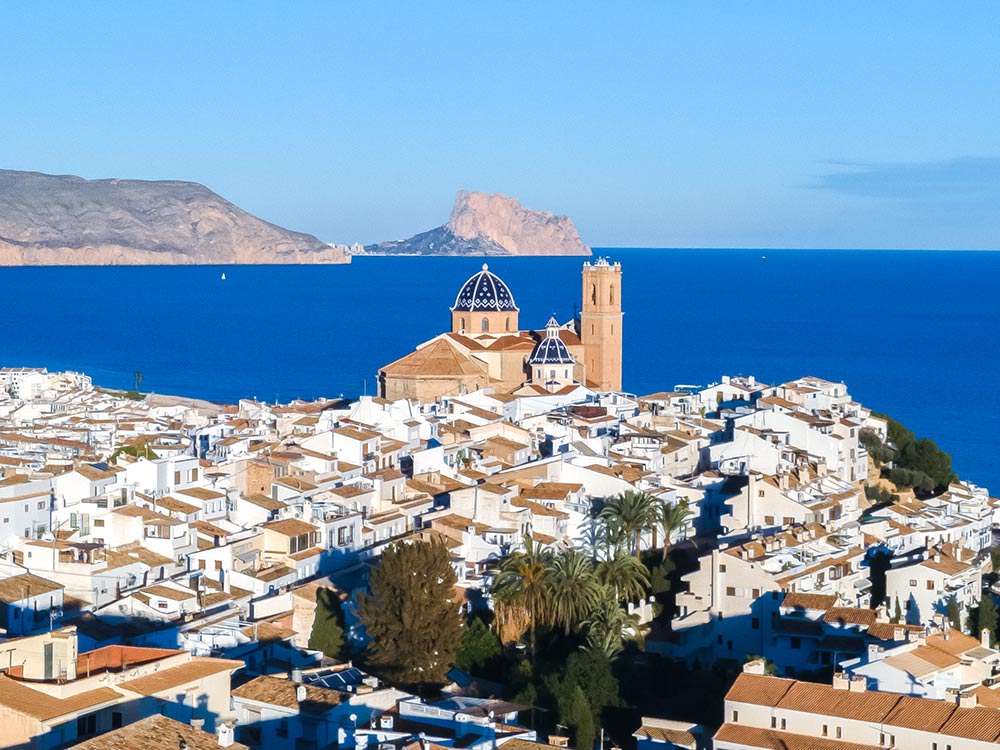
410,614
328,626
987,617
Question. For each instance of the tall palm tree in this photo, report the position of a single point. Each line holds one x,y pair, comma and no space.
573,588
632,513
522,580
668,518
624,575
609,625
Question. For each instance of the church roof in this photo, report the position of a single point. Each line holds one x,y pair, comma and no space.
438,358
484,292
551,350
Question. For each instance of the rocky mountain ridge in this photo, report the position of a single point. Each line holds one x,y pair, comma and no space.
491,224
66,220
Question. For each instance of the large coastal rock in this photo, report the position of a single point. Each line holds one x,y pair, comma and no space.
66,220
491,224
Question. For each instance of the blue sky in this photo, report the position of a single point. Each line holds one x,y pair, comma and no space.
660,124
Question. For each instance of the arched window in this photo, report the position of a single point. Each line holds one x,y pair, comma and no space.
506,323
593,293
461,323
552,374
611,294
486,324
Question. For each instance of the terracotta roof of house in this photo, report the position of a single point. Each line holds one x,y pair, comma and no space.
265,502
809,697
168,679
809,601
281,692
920,714
761,690
850,616
155,732
42,706
979,723
771,739
290,527
27,584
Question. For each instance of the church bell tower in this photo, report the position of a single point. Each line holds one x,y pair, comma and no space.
601,324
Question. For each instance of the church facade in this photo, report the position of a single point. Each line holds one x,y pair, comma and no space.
487,348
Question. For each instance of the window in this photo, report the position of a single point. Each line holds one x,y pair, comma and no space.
913,582
86,725
755,623
282,729
796,643
41,505
486,324
506,324
774,722
768,519
736,716
116,719
782,723
177,477
730,591
826,731
930,585
99,522
161,605
838,735
756,593
722,568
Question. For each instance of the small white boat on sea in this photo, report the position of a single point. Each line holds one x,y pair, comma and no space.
223,275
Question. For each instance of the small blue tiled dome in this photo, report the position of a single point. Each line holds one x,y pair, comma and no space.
484,292
551,350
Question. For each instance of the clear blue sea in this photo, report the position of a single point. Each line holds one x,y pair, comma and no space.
913,334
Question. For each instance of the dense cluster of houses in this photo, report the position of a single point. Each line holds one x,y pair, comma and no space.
153,547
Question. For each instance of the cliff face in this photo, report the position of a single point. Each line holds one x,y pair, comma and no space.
491,224
519,230
66,220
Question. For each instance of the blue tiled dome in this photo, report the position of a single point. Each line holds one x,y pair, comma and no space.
551,350
484,292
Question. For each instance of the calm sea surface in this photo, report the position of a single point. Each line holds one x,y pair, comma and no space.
913,334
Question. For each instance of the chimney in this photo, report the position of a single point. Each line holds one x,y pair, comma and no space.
881,615
300,693
557,741
899,634
197,723
967,700
756,666
226,734
841,681
874,652
857,684
297,676
984,637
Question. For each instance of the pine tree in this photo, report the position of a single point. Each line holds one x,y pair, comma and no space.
328,626
897,616
410,615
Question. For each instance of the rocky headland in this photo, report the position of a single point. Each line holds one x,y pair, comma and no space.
491,224
61,220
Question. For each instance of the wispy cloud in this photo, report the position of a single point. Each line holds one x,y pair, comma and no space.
962,178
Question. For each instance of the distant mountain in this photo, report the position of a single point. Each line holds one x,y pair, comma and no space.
66,220
491,224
